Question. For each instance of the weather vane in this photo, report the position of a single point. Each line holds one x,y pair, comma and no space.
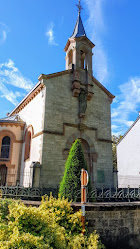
79,6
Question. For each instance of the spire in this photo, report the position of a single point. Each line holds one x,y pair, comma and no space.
79,28
79,48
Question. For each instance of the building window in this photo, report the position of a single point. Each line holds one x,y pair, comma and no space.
5,147
27,145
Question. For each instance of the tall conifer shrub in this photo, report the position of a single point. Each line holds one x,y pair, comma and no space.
71,183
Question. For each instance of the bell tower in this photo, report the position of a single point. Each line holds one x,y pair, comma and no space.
79,48
79,58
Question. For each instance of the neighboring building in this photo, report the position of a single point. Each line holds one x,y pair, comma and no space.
37,135
128,157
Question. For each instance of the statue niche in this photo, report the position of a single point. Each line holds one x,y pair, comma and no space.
82,102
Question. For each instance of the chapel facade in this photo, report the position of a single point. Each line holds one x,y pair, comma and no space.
35,138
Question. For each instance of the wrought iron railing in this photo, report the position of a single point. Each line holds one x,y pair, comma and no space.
114,194
25,193
96,195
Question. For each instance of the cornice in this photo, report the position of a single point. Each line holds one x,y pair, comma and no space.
91,44
58,133
49,76
130,128
27,99
70,40
102,87
67,45
7,123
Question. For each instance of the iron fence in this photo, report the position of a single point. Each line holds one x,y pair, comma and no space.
114,195
26,193
96,195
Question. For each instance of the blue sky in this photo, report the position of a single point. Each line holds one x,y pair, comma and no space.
33,35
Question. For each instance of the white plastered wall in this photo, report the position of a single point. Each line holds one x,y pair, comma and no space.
128,158
33,114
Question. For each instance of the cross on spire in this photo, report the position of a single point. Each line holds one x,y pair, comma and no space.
79,6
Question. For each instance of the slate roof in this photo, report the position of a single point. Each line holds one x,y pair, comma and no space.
79,30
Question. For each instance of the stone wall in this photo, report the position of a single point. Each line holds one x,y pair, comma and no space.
61,128
117,223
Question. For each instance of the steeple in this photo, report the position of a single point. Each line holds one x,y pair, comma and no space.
79,48
79,30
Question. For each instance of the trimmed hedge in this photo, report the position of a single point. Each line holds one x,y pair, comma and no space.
71,183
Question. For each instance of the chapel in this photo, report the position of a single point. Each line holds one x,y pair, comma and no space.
36,136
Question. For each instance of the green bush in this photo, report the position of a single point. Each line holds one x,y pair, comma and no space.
52,225
71,183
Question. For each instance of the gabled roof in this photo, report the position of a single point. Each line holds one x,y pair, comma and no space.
95,81
130,128
12,119
103,88
40,85
79,30
27,98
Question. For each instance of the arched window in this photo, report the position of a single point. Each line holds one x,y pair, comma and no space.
27,145
5,147
82,59
70,57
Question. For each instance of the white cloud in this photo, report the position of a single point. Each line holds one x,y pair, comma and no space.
128,104
96,27
50,35
10,75
9,95
3,32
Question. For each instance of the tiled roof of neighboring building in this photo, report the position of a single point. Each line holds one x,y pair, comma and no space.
12,119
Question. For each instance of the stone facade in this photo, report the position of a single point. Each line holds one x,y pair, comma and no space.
62,107
62,126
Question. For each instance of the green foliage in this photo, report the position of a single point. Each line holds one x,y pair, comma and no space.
51,225
70,183
4,210
115,140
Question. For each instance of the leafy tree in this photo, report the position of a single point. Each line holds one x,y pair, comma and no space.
52,225
115,140
71,183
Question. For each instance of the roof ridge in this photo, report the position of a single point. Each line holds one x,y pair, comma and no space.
129,129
